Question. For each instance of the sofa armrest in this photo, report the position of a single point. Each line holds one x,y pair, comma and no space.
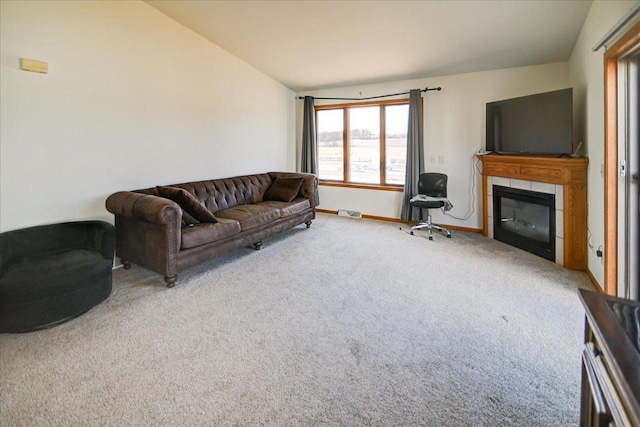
143,207
148,230
309,188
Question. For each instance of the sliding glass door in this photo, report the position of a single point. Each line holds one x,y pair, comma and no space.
628,183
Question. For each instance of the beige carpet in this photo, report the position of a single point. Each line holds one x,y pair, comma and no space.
352,322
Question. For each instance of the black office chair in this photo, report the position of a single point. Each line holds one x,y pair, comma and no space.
432,185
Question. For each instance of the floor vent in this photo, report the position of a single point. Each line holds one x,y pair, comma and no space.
350,214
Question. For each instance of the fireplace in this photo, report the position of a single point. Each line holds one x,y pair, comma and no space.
525,219
565,178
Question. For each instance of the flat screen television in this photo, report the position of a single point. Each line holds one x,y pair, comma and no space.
534,124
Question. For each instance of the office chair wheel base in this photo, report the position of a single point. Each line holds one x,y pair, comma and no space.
411,232
430,237
448,236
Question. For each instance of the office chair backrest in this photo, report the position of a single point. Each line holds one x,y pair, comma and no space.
432,184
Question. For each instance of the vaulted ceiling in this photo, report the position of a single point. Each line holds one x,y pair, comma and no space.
309,45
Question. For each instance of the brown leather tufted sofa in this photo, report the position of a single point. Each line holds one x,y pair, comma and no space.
151,231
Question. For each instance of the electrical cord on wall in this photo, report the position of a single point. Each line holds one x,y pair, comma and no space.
474,167
589,241
598,250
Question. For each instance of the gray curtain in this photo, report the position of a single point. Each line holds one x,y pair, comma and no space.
309,160
415,156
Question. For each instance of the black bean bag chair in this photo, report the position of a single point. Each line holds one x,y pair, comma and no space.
53,273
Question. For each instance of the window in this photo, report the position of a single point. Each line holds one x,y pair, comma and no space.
363,143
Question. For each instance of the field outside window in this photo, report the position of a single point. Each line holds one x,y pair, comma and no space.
363,144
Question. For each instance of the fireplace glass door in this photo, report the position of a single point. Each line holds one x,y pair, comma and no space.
525,219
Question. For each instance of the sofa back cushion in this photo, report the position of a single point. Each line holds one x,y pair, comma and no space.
221,194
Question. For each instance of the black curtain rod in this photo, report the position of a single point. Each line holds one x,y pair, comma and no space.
376,97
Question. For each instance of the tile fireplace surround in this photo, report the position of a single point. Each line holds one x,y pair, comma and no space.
564,177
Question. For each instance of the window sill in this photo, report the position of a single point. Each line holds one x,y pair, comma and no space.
362,186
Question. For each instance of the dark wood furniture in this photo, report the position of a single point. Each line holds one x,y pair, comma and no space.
610,361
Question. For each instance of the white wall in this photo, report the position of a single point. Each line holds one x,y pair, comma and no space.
454,128
587,76
132,99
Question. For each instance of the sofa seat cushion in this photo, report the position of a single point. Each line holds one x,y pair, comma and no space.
37,277
199,234
287,209
250,216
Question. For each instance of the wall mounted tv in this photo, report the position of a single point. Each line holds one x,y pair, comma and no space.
534,124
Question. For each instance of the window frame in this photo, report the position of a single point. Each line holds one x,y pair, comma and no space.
346,144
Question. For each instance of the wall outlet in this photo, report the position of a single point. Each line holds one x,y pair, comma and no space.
441,159
599,254
432,158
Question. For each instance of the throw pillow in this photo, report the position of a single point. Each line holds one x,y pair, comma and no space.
188,203
284,189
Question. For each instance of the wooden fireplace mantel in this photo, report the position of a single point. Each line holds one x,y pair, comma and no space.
571,173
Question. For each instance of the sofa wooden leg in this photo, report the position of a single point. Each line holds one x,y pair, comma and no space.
171,281
308,224
257,245
126,264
